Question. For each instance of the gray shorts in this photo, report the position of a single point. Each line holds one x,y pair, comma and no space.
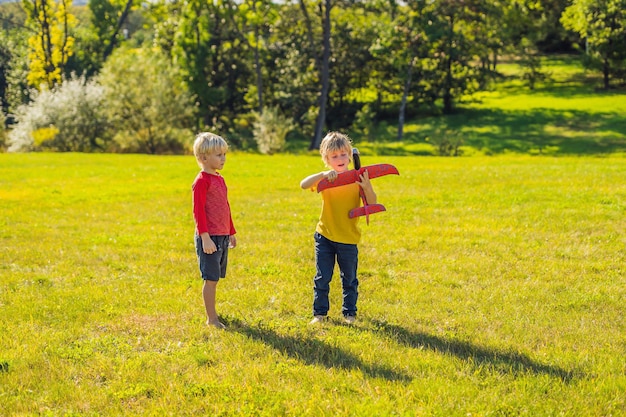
213,266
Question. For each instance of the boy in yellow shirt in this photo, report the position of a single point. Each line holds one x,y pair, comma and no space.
337,235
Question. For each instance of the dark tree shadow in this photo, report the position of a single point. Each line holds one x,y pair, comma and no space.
314,352
504,362
496,131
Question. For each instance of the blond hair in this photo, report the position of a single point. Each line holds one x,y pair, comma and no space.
333,142
208,143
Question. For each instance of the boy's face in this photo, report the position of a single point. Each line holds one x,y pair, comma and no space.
338,160
212,162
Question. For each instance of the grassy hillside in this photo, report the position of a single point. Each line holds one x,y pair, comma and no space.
491,286
566,114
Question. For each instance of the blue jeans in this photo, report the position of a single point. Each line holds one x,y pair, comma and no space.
347,257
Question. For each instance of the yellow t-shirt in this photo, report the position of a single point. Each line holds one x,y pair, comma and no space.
334,223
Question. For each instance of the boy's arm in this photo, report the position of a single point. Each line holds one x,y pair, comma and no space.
232,237
199,197
312,180
199,191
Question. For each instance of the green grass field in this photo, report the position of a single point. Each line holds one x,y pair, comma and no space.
492,286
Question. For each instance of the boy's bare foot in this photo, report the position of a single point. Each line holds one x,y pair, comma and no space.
215,323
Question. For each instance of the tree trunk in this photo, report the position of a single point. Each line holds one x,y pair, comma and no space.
447,88
495,60
405,94
113,42
259,75
325,78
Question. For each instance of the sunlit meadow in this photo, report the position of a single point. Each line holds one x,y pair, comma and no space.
490,286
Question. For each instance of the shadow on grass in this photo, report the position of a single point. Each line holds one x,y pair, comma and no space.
503,362
561,132
314,352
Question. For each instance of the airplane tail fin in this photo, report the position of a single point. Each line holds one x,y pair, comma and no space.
366,211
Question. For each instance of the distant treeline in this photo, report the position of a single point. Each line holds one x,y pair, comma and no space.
132,76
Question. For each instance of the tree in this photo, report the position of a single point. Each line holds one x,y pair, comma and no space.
355,28
12,42
52,42
402,47
14,70
255,18
323,64
552,36
108,17
293,77
603,24
213,59
5,62
451,47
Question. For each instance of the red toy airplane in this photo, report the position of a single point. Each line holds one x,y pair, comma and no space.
350,177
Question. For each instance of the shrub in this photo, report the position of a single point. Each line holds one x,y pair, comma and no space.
270,130
68,118
147,102
447,142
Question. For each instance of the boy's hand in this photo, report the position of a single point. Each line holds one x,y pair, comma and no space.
232,241
331,175
365,181
208,246
366,186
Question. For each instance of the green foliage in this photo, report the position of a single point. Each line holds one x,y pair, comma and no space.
14,69
563,115
401,60
147,102
293,82
364,123
213,61
270,130
490,286
602,24
105,18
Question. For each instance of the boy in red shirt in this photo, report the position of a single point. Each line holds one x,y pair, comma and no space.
215,231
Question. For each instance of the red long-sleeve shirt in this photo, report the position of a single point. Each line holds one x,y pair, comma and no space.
211,210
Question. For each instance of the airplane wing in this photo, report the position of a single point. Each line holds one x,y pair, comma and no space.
352,176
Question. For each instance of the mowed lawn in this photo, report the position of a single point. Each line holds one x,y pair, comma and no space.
490,286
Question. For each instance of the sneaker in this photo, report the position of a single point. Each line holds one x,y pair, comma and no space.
317,319
349,319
